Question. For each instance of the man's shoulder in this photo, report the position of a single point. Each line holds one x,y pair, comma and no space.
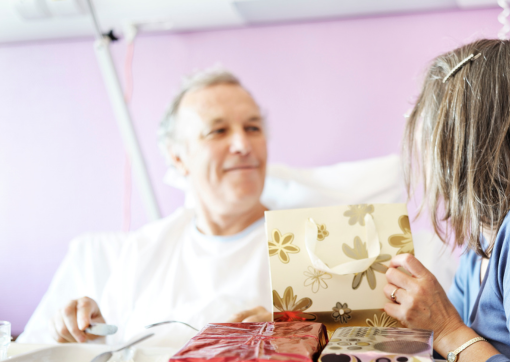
111,243
106,240
180,217
155,230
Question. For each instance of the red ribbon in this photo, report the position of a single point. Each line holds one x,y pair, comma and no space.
290,316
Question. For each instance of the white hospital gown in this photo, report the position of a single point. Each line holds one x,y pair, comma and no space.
167,270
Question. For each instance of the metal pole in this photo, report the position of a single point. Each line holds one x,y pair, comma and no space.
92,11
126,128
101,46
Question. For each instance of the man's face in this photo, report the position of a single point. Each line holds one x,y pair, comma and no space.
223,147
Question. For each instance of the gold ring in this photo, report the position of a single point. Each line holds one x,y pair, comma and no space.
393,296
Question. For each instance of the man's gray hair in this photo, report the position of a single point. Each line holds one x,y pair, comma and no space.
196,81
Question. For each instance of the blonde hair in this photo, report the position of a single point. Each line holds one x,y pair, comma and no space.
464,161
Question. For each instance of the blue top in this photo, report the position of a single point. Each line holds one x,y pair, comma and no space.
486,308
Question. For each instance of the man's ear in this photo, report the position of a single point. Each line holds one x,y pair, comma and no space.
175,152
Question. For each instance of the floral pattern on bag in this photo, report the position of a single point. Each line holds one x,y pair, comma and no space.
290,310
357,213
360,252
322,233
341,313
384,321
282,246
316,279
403,241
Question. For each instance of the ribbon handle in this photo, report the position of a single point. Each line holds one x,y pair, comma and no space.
350,267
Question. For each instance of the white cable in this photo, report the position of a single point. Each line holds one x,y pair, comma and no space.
503,19
130,31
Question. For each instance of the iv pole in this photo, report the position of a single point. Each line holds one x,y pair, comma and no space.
102,49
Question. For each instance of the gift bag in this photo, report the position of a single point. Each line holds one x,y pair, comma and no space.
328,264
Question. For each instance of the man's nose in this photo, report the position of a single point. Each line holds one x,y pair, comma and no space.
240,143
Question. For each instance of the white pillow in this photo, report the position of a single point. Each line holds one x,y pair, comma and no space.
376,180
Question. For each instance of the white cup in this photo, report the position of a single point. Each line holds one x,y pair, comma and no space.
5,339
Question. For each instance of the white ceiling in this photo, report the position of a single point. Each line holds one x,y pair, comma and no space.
189,15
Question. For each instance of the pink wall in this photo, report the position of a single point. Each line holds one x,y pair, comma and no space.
334,91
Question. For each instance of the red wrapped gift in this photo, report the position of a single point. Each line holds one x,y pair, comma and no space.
229,342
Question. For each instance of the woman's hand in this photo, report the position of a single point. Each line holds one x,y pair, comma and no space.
420,301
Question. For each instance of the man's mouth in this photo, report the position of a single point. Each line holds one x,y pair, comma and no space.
240,168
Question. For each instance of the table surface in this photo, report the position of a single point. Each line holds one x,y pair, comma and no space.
19,348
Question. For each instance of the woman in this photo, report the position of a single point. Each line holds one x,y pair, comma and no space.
458,137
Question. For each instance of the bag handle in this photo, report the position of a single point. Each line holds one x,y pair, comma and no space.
350,267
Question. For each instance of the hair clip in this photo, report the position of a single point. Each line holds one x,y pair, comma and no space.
460,65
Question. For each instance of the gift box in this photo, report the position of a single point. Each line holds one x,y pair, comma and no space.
328,264
229,342
364,344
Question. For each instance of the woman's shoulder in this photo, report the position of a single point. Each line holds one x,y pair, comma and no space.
499,265
501,245
468,259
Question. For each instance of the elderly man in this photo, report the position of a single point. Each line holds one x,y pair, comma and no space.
207,264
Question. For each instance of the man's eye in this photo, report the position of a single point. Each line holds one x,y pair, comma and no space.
253,129
218,131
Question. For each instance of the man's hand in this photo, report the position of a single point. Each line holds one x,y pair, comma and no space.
257,314
69,323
